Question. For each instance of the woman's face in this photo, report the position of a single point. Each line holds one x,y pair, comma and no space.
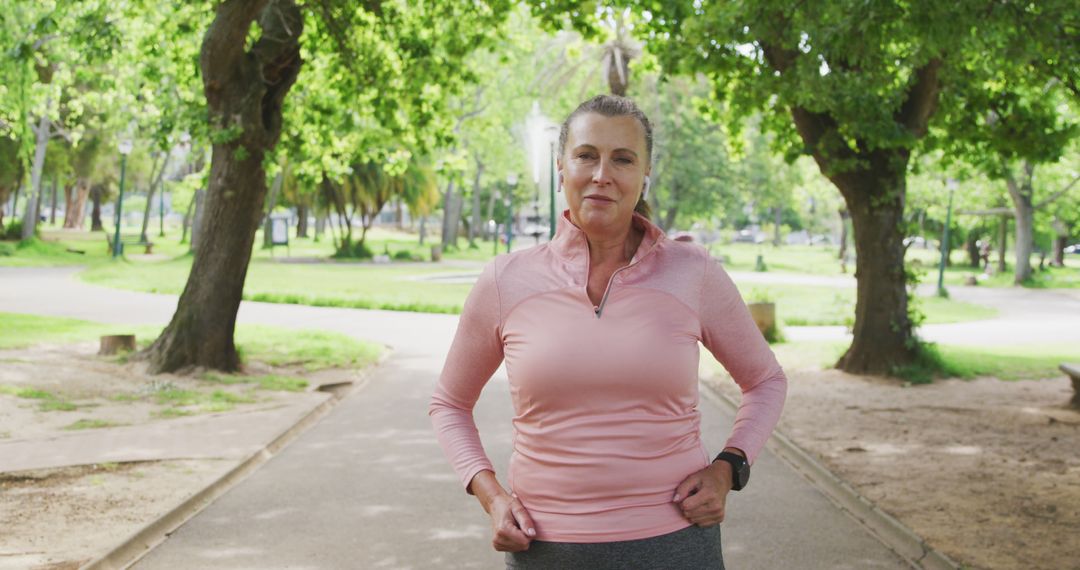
603,169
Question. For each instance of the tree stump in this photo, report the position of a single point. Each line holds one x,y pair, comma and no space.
114,343
1073,371
436,253
764,315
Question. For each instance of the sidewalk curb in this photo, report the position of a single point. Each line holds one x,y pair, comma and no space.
143,541
886,528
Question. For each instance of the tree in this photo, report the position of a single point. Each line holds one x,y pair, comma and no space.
245,89
854,85
389,67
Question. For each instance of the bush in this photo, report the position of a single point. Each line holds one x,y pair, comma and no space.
13,231
405,255
353,251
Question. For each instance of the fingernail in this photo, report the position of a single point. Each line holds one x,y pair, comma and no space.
677,497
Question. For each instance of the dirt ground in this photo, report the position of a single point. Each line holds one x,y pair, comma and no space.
987,471
62,518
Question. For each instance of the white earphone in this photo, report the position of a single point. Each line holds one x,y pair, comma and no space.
645,192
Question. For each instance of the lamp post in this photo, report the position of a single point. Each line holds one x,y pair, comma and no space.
553,132
125,150
941,292
511,181
492,226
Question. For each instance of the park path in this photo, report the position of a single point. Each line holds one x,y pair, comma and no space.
368,486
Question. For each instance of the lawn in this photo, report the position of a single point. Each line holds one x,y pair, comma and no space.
1016,362
810,305
58,247
312,349
359,285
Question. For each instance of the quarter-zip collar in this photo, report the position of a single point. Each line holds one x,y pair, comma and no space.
571,244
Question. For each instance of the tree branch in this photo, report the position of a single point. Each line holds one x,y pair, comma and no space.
922,98
1008,212
1058,194
223,48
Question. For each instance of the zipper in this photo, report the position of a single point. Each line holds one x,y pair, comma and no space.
598,309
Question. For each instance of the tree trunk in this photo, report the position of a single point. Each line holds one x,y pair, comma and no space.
844,215
1061,240
477,223
449,225
95,214
1003,241
320,226
423,230
55,187
31,216
244,88
1020,192
155,181
778,217
186,224
670,215
882,333
76,209
491,214
196,221
972,248
301,220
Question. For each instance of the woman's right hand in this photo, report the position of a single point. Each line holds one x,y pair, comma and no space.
511,523
513,527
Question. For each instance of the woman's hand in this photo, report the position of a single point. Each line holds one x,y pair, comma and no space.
703,495
511,523
513,527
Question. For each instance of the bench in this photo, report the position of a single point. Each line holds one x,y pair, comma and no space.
1073,371
130,239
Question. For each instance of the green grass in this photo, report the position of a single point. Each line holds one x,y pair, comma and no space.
311,349
1017,362
813,305
49,402
354,285
36,252
18,330
90,424
274,382
816,260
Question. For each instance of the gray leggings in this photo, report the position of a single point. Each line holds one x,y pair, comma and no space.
692,548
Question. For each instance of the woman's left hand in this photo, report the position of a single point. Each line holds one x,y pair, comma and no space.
702,495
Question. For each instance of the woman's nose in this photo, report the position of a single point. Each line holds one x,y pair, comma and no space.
602,172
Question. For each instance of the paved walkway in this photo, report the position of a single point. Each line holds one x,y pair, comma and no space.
368,487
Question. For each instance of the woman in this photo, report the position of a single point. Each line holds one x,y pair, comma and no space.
599,330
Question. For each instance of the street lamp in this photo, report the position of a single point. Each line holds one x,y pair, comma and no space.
125,150
511,181
951,184
553,132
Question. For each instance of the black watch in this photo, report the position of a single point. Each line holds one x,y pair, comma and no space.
740,469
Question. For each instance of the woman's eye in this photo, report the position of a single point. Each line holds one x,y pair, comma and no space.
622,160
584,156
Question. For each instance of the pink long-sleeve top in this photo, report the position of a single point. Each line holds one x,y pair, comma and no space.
605,397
